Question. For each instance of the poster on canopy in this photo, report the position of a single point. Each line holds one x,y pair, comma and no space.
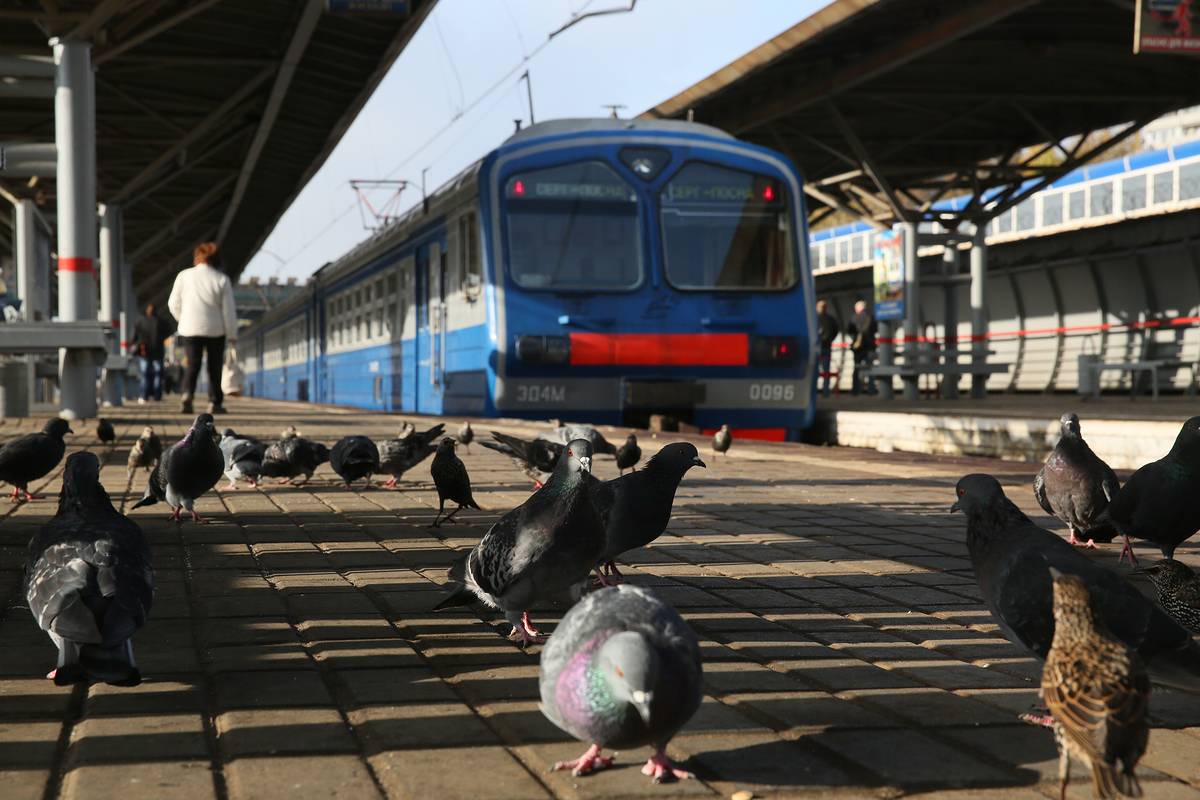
889,274
1167,26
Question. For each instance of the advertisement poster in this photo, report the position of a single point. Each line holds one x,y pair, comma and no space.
1167,26
889,275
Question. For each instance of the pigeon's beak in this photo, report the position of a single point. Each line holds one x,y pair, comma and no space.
696,462
69,430
955,507
586,463
641,701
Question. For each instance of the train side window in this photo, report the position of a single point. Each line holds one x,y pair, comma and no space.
472,270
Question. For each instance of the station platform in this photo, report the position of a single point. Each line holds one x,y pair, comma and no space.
1017,427
291,650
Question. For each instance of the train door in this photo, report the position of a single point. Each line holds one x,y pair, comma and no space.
431,314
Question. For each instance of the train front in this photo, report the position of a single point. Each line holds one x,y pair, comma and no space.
648,268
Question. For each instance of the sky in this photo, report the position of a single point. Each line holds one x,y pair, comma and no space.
454,92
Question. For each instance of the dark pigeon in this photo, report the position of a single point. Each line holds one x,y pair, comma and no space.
563,434
188,469
1161,501
1178,590
542,550
32,456
243,457
452,481
1012,559
536,458
354,458
146,451
1075,486
89,581
293,456
105,432
637,507
466,435
397,456
622,670
628,454
722,439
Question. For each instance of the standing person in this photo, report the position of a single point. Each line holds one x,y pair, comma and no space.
202,301
149,333
827,331
862,331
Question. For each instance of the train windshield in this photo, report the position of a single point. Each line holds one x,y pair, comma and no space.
573,227
726,229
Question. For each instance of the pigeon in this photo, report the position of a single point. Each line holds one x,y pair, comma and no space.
564,434
1178,590
188,469
32,456
452,481
293,456
637,507
1161,501
146,452
536,458
622,670
541,550
243,457
105,432
1012,556
407,429
397,456
466,435
628,454
289,432
1075,486
89,581
354,457
722,439
1096,688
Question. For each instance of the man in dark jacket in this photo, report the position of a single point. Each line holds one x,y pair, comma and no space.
862,343
149,333
827,331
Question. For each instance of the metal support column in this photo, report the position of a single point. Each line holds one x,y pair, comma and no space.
112,287
887,357
75,138
912,308
129,315
950,319
25,238
979,319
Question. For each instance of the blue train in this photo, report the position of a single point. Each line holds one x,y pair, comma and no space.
592,270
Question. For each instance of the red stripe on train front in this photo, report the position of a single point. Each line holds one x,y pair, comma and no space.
661,349
759,434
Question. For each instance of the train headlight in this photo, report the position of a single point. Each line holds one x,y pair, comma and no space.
543,349
776,351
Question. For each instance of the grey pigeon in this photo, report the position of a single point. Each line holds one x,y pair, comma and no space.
105,432
1161,501
541,550
146,451
622,670
188,469
722,439
536,458
354,458
466,434
1012,559
637,507
1075,486
397,456
243,457
628,454
89,581
293,456
452,481
563,434
289,432
1178,590
32,456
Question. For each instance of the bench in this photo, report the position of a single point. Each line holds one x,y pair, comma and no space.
49,337
1152,366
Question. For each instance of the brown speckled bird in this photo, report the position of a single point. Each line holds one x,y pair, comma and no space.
1097,690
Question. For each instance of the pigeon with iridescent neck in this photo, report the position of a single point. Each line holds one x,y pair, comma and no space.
1076,486
188,469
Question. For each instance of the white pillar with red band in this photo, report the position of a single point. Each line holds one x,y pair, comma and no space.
112,287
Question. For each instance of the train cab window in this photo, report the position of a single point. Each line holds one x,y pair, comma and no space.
727,229
573,228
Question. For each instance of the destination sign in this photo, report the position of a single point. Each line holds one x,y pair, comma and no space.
764,192
533,189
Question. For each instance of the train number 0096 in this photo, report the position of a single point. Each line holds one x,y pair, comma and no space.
773,392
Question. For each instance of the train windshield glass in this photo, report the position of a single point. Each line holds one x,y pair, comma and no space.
573,227
726,229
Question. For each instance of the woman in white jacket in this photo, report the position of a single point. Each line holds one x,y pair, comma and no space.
202,302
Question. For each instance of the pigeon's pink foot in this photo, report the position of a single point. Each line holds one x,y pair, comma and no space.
29,496
1037,715
197,518
282,481
659,767
1128,549
232,486
537,485
253,484
15,497
1090,544
50,675
601,579
528,634
614,574
390,483
175,514
591,761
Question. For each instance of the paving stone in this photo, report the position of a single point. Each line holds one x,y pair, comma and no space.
28,744
283,731
24,784
909,758
420,725
271,688
393,685
308,776
490,772
152,780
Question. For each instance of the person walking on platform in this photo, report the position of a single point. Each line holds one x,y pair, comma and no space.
827,331
862,332
149,333
202,301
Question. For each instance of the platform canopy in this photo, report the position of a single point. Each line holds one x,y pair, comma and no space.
211,115
891,106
